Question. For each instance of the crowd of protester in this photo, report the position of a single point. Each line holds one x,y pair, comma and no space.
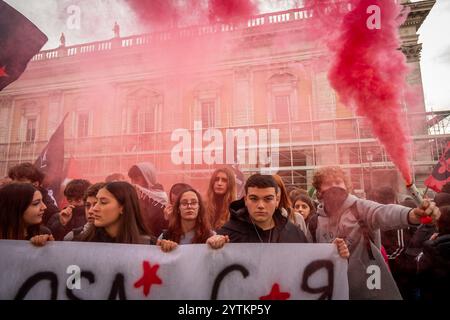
414,258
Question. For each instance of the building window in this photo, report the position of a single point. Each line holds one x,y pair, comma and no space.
83,125
144,120
147,119
283,98
207,104
208,114
144,112
31,130
282,108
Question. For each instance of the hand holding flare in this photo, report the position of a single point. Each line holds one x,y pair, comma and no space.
426,213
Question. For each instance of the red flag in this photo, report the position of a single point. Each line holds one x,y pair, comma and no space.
441,172
51,161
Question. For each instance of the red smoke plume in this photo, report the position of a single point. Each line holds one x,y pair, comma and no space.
230,10
368,72
156,12
159,13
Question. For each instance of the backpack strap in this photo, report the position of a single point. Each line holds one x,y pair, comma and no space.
365,230
312,226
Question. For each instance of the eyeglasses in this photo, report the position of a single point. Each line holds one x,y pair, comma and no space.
193,204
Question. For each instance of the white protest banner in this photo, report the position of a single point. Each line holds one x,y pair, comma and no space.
76,270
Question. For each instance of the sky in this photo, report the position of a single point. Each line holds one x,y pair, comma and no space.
435,61
97,19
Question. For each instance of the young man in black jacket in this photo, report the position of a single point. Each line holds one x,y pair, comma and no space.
256,218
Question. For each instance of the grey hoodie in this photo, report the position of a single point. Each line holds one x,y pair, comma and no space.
151,200
344,224
154,191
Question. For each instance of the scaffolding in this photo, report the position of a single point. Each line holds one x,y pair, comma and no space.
304,146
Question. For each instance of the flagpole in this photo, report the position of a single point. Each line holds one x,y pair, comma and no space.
425,192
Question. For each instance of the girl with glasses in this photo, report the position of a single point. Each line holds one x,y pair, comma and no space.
188,223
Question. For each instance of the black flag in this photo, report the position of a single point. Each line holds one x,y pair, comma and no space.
20,40
51,161
240,181
441,172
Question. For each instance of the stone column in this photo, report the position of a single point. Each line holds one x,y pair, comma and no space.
242,103
55,112
6,103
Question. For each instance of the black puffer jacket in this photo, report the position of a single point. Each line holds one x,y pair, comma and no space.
240,228
434,269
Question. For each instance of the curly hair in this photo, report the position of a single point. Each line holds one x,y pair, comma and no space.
26,171
327,173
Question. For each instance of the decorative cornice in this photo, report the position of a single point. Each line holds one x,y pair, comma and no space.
261,40
418,12
412,52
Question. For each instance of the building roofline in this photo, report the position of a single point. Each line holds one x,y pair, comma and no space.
418,13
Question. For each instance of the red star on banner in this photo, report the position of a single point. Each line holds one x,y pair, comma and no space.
3,72
148,278
276,294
